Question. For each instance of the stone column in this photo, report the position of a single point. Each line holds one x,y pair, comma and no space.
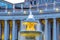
54,29
46,30
14,31
38,27
58,30
22,28
49,30
6,31
19,36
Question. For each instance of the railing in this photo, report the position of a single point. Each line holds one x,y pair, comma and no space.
42,8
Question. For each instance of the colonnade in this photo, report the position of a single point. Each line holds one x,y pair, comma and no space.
47,31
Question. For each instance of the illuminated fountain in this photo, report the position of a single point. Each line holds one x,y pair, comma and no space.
31,25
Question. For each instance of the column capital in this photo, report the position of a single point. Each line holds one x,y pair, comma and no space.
46,18
13,23
14,30
13,20
46,21
5,20
54,18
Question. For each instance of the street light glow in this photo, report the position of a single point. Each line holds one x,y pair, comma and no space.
57,9
41,11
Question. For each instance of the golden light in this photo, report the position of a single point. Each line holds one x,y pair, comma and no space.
9,13
25,12
43,21
57,9
30,29
2,36
30,26
41,11
10,36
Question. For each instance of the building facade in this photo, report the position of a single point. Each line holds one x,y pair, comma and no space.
31,20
